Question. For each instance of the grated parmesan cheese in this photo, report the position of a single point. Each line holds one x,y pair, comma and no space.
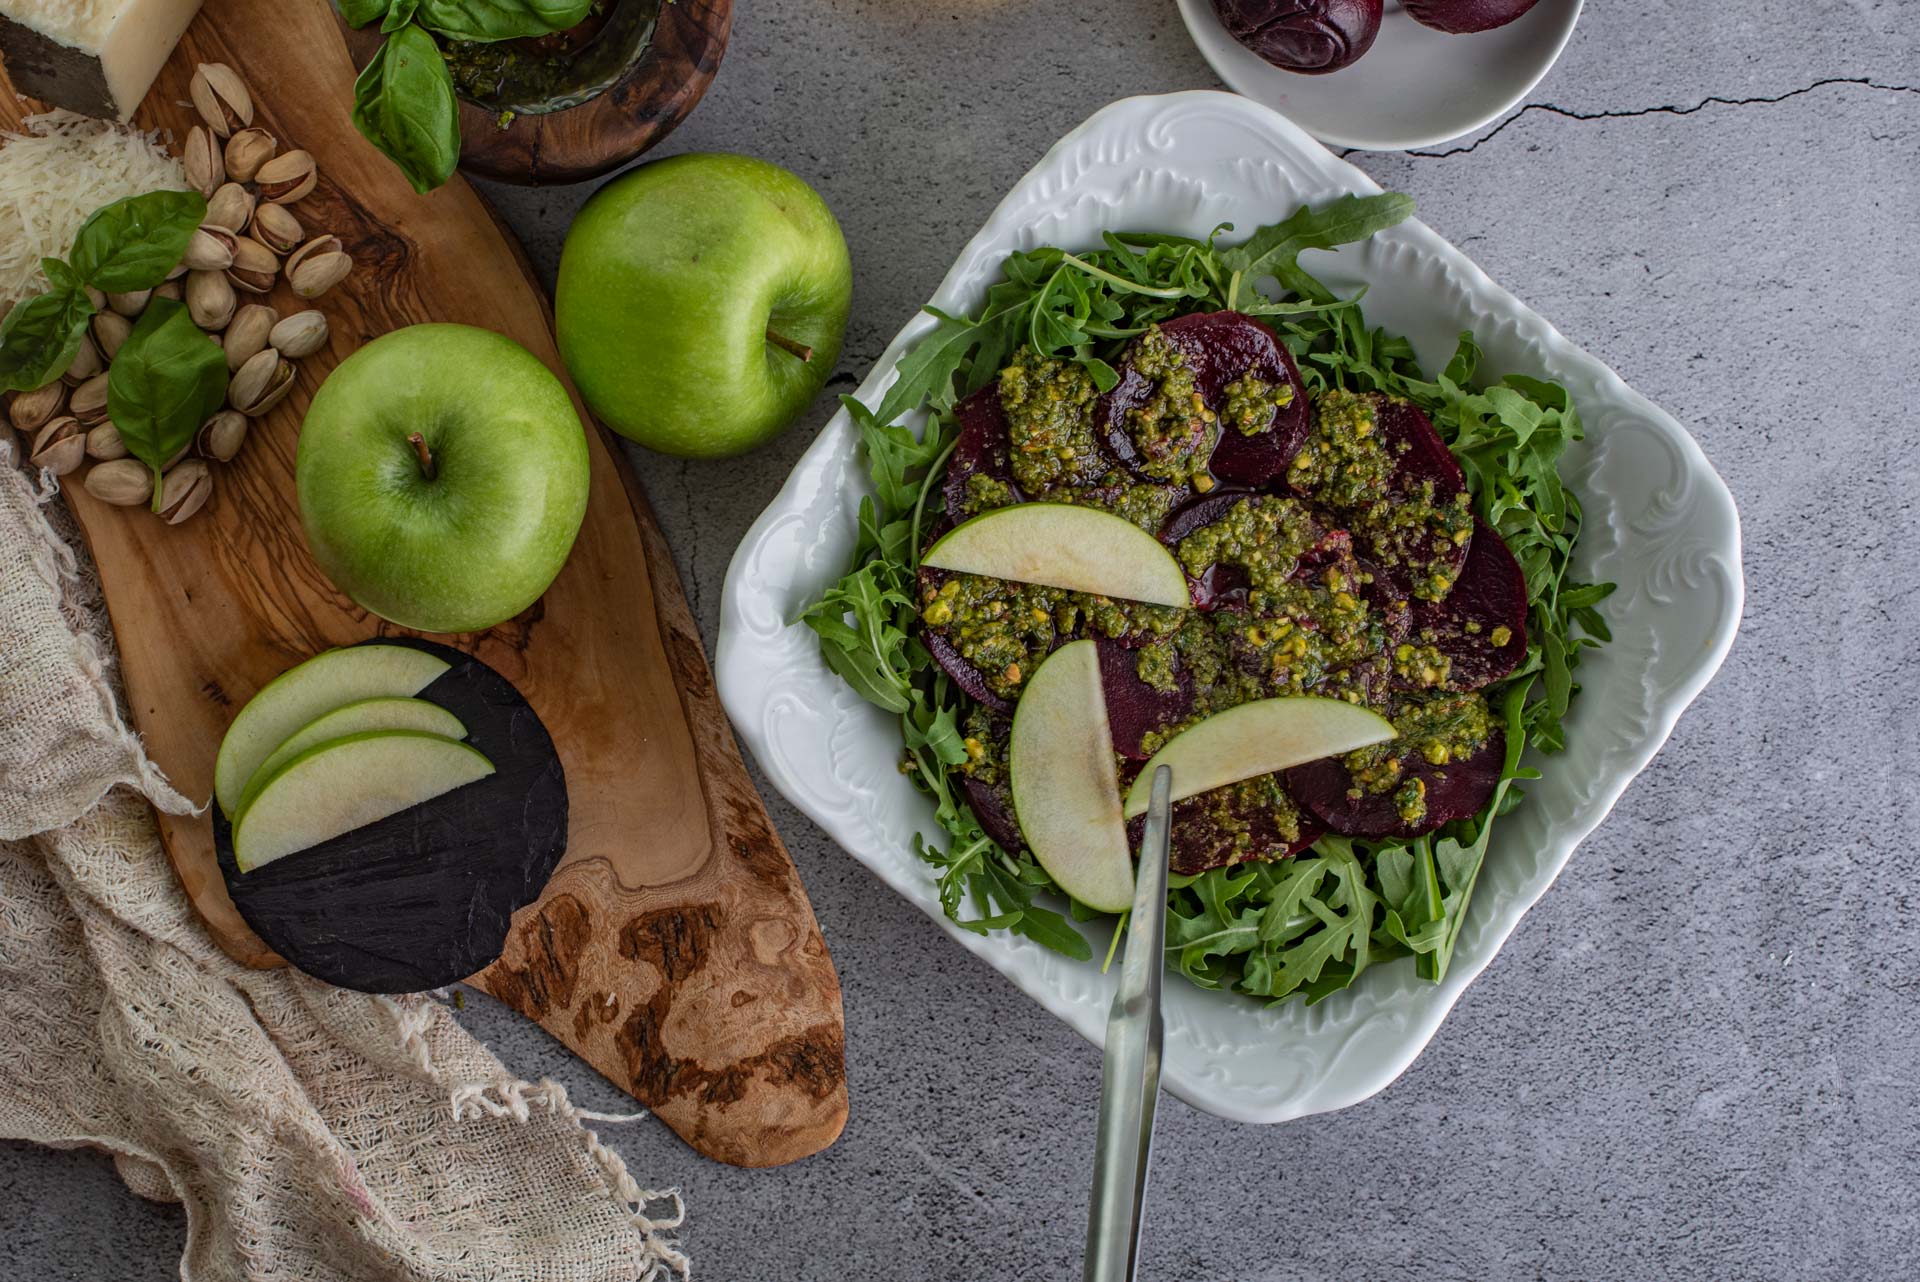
52,178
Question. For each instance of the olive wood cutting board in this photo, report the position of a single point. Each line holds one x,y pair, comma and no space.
674,948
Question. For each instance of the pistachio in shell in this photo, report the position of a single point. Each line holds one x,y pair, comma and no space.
103,442
130,304
246,151
210,299
276,227
221,436
288,177
206,167
110,330
86,362
124,482
89,401
318,273
230,207
59,446
170,289
247,333
221,97
210,249
30,411
255,267
184,490
301,334
262,383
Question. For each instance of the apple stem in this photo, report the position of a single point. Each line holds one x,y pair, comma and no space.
781,341
419,444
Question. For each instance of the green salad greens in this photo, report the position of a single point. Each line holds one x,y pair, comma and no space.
1305,926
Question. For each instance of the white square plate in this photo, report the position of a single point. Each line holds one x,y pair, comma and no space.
1659,522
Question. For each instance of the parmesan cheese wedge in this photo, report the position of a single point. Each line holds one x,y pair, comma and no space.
96,57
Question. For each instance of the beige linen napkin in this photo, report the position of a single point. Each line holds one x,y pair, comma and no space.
311,1133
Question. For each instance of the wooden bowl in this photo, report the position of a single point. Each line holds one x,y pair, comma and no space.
642,105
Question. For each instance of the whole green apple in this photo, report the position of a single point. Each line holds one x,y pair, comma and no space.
702,301
442,476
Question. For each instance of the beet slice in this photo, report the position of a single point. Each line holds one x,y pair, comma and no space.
964,674
1134,708
1199,843
981,447
1491,593
1423,468
992,805
1420,454
1225,586
1454,791
1222,347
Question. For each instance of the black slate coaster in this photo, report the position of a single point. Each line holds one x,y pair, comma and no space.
423,898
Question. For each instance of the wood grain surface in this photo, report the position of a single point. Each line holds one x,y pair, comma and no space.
674,949
605,132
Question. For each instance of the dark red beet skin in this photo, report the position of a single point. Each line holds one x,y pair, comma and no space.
1134,708
1463,17
1490,593
992,805
1454,791
1308,36
1199,843
980,447
1222,347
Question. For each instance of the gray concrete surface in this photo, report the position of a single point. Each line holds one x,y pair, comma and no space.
1697,1058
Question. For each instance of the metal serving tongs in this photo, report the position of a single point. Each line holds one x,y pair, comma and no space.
1130,1076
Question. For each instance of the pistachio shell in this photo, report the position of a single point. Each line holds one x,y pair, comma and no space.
221,436
30,411
221,98
301,334
255,267
276,227
210,250
320,273
103,442
261,383
210,299
89,401
130,304
247,334
110,329
170,289
185,490
59,446
206,168
286,178
230,207
86,362
125,482
246,151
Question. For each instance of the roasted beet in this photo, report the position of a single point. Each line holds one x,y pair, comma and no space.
980,448
1134,708
1450,748
1221,348
964,674
1200,841
1481,626
992,805
1309,36
1461,17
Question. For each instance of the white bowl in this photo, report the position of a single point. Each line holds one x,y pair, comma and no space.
1414,88
1659,523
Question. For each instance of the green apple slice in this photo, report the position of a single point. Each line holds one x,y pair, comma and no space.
1257,739
298,695
1056,545
385,713
1065,792
344,784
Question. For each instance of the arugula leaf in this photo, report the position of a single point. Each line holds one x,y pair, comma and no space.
490,21
132,244
168,378
40,337
403,103
1275,250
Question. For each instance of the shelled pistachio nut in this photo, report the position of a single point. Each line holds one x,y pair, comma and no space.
221,436
103,442
246,151
124,482
210,249
210,299
301,334
89,401
86,363
110,330
185,490
246,335
276,227
206,168
130,304
255,267
30,411
286,178
221,98
262,383
231,207
59,446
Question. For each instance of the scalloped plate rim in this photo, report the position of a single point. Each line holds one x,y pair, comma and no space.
1358,1041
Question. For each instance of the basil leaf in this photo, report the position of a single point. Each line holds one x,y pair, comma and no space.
489,21
132,244
41,336
403,103
359,13
62,277
400,15
167,380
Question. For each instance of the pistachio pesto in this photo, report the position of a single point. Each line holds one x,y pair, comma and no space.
1050,422
1005,629
1436,730
1249,403
1173,432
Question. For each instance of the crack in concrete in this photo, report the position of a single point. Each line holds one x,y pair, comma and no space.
1702,105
